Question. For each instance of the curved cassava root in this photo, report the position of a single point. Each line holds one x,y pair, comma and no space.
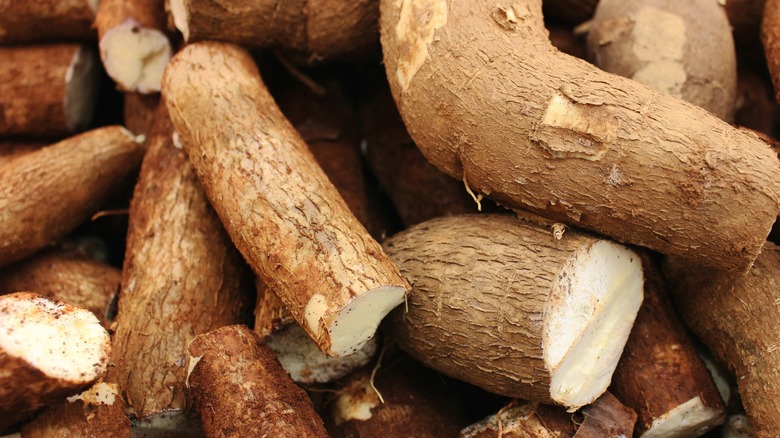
510,308
278,206
49,350
489,101
739,320
46,193
683,49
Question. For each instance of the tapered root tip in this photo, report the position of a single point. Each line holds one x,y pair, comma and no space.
63,342
355,324
135,57
593,306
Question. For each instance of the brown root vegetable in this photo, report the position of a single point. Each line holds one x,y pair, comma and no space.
181,278
139,112
317,29
419,193
24,21
49,350
489,101
11,149
79,281
416,402
738,318
133,45
770,37
280,209
48,91
295,350
681,49
660,374
512,309
96,412
606,417
47,193
240,389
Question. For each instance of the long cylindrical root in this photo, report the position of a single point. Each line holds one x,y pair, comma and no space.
133,45
553,315
295,350
47,193
96,412
770,36
606,417
318,29
660,374
278,206
415,402
419,192
681,49
11,149
49,350
48,91
739,320
46,20
489,101
79,281
240,389
181,278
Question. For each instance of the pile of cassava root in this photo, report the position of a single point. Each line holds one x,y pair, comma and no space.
389,218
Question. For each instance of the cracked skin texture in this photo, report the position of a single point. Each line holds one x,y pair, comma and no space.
181,277
493,103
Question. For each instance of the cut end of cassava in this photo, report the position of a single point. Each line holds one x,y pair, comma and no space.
304,361
180,18
63,342
355,324
692,418
82,80
592,309
135,56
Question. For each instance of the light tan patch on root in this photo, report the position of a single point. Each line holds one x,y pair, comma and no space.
418,21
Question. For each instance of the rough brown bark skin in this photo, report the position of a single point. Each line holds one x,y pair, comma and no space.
739,320
660,369
682,49
606,417
85,416
328,126
47,193
139,112
420,191
278,206
499,265
24,21
317,29
147,13
241,390
417,403
270,313
181,278
25,388
11,149
489,101
34,86
75,280
770,36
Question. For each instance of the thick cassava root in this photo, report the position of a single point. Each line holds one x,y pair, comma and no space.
316,29
181,278
660,374
739,320
489,101
49,350
24,21
553,314
48,91
241,390
278,206
46,193
681,49
133,45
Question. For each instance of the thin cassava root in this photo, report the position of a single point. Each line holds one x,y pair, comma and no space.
573,143
272,197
